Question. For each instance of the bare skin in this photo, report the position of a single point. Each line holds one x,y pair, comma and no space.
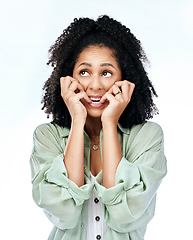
95,96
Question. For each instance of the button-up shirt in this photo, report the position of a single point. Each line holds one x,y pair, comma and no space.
128,206
96,225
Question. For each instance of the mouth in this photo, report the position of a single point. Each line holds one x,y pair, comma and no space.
95,100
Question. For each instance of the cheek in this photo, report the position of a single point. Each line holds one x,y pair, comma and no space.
74,75
109,84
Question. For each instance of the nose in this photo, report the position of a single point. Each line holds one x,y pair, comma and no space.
95,83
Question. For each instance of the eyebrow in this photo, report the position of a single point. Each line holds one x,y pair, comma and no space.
85,63
107,64
102,65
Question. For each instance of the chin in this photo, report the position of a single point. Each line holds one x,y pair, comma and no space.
94,114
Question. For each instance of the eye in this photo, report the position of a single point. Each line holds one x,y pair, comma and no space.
107,74
84,73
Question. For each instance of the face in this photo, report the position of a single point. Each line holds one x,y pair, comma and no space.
97,70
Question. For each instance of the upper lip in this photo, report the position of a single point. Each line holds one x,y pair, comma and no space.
95,96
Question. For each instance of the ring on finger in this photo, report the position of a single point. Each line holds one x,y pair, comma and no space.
117,92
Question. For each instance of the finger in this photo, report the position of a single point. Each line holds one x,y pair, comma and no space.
80,87
114,90
124,84
70,84
107,97
131,89
110,97
70,79
117,92
66,81
127,88
75,87
83,95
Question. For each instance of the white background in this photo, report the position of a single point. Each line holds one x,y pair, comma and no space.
28,28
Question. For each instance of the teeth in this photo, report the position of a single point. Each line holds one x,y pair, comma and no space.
95,100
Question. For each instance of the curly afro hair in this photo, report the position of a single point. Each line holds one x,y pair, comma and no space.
129,54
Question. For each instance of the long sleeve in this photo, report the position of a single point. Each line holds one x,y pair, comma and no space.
130,204
61,199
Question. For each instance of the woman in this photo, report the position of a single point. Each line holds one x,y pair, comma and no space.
97,166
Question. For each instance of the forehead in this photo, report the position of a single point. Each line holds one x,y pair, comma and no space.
97,53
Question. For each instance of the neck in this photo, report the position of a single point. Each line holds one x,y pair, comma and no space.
93,126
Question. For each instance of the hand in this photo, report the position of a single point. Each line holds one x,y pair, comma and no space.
72,92
119,95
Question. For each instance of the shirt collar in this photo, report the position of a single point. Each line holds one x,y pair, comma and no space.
64,131
122,129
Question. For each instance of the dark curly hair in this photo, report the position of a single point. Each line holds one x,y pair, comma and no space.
130,56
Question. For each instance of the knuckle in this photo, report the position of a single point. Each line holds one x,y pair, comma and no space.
126,82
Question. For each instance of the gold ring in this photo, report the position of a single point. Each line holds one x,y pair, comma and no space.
118,92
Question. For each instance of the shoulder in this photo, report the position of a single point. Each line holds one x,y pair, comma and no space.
147,128
152,127
143,138
148,133
44,128
47,142
147,136
50,129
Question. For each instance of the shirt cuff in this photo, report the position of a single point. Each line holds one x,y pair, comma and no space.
127,176
57,174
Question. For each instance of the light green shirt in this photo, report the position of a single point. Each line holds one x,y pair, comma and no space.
128,206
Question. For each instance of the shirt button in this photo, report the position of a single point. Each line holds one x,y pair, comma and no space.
97,218
98,237
96,200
